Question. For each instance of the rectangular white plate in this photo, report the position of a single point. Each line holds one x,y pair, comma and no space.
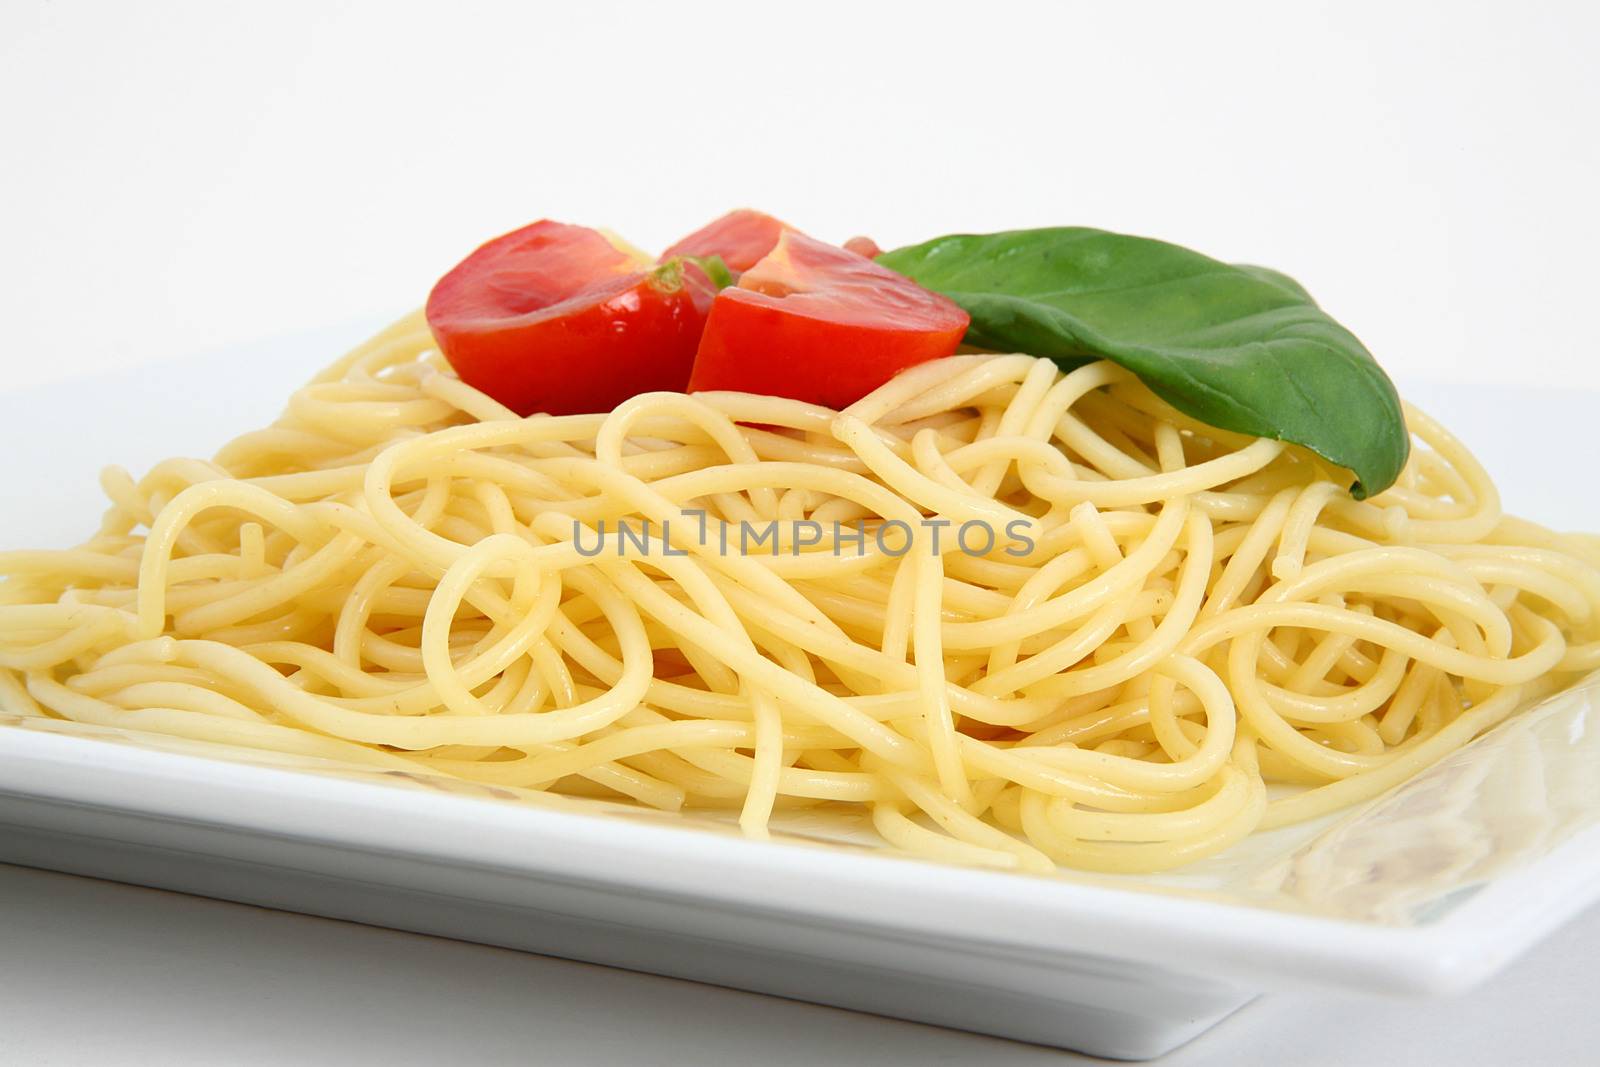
1428,889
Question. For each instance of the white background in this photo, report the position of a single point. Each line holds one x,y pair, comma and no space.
184,179
184,175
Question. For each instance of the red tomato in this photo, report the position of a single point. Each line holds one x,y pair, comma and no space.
814,322
740,237
864,246
553,318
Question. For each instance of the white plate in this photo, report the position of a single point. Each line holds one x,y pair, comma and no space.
1427,890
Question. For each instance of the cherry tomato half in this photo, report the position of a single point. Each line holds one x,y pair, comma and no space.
815,322
740,237
554,318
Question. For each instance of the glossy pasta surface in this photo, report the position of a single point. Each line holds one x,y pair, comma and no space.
1023,619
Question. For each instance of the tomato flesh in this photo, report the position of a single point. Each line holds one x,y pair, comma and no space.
818,323
740,237
554,318
864,246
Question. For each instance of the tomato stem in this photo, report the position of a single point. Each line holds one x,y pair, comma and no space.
721,277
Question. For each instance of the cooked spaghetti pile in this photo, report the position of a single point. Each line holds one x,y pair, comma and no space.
1130,625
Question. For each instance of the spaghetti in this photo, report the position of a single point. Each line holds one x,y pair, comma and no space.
1132,626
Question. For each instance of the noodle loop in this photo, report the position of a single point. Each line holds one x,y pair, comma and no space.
1016,618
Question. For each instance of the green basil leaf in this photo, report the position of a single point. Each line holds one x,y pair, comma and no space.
1243,348
1278,278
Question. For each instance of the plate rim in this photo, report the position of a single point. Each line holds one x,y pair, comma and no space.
1025,916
